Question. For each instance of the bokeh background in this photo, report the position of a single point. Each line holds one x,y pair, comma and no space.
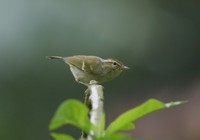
159,40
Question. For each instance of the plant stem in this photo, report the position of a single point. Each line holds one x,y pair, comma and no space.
94,101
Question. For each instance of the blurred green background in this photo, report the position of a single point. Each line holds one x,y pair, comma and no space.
159,40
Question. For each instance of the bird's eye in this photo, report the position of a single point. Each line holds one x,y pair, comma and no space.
114,63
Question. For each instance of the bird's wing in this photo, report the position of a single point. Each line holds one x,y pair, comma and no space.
89,64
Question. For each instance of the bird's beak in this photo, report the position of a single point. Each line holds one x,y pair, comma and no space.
124,68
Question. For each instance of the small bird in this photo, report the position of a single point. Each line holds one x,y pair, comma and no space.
86,68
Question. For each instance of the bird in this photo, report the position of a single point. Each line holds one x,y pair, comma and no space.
86,68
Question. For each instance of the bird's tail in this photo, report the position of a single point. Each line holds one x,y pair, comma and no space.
54,57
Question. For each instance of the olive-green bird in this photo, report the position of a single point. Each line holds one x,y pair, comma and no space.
86,68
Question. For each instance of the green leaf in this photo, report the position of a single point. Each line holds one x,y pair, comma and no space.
129,126
61,136
71,112
136,113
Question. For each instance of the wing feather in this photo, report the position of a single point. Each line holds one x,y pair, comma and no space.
89,64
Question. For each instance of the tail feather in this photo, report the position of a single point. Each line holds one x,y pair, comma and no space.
54,57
